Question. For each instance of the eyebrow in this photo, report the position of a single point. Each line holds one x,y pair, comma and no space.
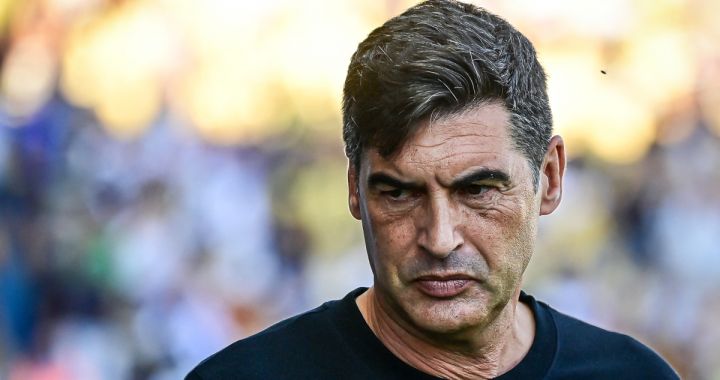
471,178
481,175
377,179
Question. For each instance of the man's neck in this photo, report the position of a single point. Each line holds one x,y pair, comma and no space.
490,352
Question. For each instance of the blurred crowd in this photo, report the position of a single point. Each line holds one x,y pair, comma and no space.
135,255
130,259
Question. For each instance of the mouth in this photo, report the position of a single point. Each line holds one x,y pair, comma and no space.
445,286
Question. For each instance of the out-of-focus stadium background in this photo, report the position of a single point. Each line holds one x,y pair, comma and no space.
172,176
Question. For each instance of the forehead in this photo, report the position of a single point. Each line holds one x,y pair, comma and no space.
476,138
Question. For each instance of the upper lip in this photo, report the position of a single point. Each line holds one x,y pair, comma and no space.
444,277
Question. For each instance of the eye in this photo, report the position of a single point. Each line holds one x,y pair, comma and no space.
476,189
396,193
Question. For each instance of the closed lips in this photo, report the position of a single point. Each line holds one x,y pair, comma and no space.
443,286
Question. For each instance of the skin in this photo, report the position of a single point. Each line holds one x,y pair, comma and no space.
450,222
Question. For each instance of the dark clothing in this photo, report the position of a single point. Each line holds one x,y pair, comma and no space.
334,342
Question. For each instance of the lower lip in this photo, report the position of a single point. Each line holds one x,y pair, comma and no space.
443,288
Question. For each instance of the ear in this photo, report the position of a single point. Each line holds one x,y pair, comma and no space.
551,176
354,191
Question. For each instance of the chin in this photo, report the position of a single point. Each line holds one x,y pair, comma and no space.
448,317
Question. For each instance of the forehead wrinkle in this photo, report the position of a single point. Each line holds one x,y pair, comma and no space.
474,123
448,156
445,139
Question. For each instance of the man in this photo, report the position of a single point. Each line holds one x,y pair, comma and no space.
448,134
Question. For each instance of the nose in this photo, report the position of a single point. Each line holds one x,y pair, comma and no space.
439,235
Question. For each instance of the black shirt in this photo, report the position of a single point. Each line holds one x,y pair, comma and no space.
334,342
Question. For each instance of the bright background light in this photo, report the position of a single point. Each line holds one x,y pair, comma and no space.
171,174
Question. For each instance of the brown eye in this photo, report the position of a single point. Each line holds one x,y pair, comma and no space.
476,189
395,193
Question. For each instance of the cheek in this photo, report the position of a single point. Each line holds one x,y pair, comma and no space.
520,237
391,228
505,236
393,240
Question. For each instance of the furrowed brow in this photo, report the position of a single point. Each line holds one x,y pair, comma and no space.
377,179
481,175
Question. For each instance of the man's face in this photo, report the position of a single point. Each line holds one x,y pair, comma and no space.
449,221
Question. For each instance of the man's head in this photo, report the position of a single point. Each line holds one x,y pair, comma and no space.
447,129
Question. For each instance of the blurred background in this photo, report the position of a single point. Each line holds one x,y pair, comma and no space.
172,175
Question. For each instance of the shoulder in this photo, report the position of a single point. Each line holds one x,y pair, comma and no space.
273,352
586,349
